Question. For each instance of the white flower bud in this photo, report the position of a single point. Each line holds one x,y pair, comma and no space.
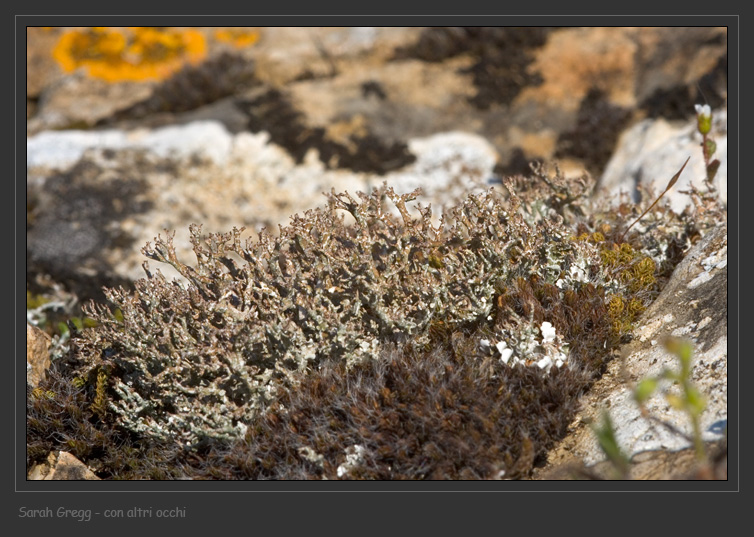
703,110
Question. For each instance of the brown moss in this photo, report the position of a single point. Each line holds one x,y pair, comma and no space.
442,414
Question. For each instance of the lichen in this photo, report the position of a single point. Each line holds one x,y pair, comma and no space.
135,54
198,360
237,37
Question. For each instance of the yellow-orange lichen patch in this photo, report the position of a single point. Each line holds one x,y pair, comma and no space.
237,37
134,54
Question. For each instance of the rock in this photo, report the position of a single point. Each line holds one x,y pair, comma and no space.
693,305
652,151
41,68
61,149
61,466
77,101
37,355
520,88
653,465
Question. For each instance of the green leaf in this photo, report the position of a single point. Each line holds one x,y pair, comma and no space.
606,438
696,401
645,389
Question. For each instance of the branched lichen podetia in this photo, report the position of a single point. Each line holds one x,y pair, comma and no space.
198,360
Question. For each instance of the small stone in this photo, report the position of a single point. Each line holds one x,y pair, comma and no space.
61,466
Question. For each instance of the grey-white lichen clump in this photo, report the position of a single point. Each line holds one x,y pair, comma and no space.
194,361
530,346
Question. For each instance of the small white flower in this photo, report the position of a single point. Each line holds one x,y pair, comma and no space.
703,110
545,363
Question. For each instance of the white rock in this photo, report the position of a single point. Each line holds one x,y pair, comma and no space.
652,151
505,353
445,162
62,149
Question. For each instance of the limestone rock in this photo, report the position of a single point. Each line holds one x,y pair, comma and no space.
62,149
652,151
652,465
693,305
523,89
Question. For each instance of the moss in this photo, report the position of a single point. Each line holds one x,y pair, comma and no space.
99,405
33,301
443,414
59,417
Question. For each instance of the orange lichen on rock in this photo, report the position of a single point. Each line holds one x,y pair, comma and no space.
134,54
237,37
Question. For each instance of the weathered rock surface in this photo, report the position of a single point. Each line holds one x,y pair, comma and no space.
37,354
532,92
652,151
61,466
693,305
